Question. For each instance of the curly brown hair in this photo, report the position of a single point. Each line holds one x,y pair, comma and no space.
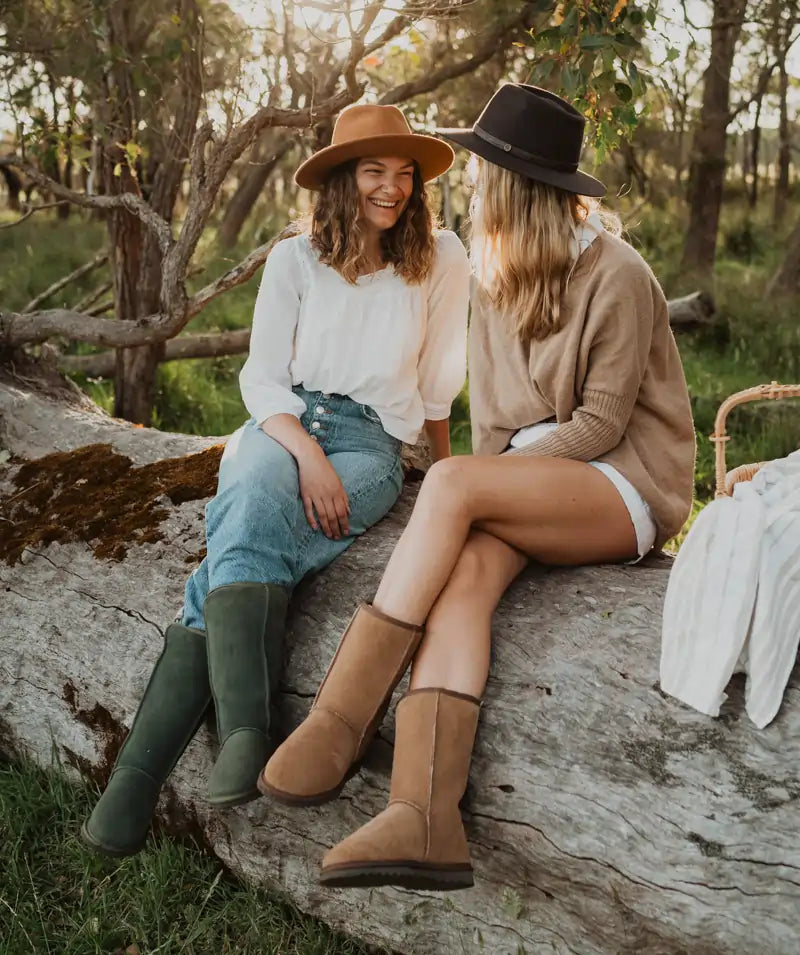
338,233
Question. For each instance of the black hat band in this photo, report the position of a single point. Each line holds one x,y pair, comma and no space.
523,153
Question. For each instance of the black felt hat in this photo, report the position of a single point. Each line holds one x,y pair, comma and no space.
533,132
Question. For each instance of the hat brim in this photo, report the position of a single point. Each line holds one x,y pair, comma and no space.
580,183
431,155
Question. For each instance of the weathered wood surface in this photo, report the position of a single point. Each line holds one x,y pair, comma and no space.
602,816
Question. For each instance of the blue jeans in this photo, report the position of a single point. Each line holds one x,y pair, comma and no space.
256,528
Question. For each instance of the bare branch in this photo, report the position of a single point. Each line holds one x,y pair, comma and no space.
102,308
33,328
393,28
90,266
88,300
103,364
357,44
127,200
240,273
25,215
28,211
485,50
205,187
761,88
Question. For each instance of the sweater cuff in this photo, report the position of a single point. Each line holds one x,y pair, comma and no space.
596,427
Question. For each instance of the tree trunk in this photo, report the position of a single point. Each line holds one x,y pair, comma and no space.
755,149
707,172
65,209
786,281
784,147
137,255
264,158
634,171
14,186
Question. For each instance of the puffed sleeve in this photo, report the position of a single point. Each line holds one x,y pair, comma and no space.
265,380
442,366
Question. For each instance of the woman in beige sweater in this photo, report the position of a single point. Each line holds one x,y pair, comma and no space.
584,453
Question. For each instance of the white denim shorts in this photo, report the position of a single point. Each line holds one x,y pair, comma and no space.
638,508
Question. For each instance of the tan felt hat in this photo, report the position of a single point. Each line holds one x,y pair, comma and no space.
363,131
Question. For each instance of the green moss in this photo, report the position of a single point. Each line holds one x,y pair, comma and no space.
95,495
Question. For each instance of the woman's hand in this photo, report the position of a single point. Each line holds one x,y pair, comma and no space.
321,489
323,493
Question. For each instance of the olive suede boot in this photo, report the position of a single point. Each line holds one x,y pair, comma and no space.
418,841
172,708
315,762
245,625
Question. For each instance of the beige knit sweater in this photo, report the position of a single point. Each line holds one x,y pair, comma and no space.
611,378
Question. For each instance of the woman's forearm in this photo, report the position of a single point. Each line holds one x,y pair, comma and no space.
438,435
287,430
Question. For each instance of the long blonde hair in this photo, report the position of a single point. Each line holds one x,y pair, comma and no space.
338,234
522,247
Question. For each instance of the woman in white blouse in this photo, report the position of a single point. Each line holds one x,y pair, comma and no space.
358,342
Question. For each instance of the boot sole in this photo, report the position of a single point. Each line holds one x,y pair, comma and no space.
407,875
101,849
317,799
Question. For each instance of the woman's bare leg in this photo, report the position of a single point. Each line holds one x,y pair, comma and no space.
454,653
554,510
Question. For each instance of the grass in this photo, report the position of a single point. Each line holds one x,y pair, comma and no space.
172,899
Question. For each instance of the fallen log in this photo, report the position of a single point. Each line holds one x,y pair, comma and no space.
692,310
603,817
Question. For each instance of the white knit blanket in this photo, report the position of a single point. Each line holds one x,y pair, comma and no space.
733,597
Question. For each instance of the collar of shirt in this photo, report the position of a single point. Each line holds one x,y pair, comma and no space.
585,233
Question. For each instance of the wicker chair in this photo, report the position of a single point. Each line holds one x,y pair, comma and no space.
727,481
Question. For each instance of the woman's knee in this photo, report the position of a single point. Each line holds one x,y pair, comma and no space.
257,467
446,483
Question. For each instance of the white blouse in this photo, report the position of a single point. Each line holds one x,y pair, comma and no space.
399,348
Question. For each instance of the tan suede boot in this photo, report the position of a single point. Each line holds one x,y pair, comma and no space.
418,841
315,762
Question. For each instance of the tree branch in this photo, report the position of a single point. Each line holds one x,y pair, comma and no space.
208,175
32,328
103,364
97,261
28,211
760,90
485,50
127,200
90,298
240,273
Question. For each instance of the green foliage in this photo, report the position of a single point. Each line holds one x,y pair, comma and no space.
200,396
38,252
586,50
171,898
